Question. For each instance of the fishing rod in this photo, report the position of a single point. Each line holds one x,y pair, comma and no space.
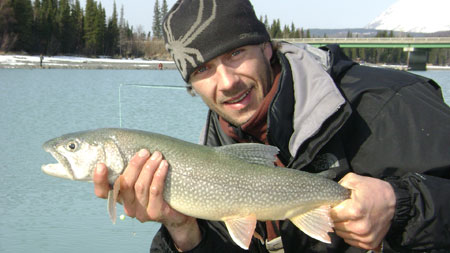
147,86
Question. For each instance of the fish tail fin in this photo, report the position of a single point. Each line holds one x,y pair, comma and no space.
112,201
316,223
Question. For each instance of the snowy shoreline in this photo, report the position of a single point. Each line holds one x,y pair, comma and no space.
73,62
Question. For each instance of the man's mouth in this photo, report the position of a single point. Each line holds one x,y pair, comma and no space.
239,98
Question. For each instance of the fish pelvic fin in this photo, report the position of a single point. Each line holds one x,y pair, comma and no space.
112,201
241,230
316,223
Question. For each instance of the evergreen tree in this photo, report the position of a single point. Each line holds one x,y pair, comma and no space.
48,29
7,21
294,32
37,27
164,10
266,22
89,27
112,34
65,26
381,34
122,32
286,32
23,14
100,29
77,18
308,34
157,33
275,29
349,34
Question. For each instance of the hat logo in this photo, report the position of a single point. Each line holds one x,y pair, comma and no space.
179,47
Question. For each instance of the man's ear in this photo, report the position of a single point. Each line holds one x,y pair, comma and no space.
267,50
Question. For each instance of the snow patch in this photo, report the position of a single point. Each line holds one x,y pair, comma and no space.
68,61
414,16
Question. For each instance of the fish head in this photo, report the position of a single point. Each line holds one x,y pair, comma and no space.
79,153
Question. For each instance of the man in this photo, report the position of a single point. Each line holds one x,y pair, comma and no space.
385,133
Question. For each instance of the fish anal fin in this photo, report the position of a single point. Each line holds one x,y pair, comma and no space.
112,200
316,223
241,229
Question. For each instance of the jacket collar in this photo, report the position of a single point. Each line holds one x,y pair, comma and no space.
315,94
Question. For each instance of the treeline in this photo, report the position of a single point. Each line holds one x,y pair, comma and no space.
54,27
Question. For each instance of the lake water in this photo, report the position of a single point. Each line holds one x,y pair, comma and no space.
46,214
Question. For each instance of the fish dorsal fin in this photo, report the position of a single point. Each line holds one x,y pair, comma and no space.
112,200
316,223
252,152
241,230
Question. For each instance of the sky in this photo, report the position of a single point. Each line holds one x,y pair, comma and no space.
327,14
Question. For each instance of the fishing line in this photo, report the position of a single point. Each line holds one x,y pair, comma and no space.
146,86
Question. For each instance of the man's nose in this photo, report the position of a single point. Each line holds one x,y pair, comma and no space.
227,77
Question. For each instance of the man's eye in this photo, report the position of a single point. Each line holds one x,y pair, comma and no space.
201,69
235,53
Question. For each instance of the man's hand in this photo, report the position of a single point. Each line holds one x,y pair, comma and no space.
364,219
141,192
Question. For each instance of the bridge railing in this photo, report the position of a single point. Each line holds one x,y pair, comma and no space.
410,41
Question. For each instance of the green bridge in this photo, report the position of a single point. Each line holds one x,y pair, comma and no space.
415,46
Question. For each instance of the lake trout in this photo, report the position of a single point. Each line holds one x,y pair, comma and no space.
237,184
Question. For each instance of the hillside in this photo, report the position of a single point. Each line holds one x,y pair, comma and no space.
414,16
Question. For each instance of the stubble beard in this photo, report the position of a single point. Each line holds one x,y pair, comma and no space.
266,84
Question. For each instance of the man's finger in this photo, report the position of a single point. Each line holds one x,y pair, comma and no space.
156,201
130,176
143,183
340,213
101,185
349,180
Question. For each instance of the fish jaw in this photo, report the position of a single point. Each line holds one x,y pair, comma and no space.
61,169
56,170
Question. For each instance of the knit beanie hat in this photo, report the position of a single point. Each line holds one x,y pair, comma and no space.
197,31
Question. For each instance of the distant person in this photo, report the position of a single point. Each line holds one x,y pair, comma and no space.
385,133
41,59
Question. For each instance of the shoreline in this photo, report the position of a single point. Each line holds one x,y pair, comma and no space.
16,61
74,62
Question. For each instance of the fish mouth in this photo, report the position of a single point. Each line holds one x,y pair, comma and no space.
61,169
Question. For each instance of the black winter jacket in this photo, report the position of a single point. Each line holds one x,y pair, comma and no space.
394,125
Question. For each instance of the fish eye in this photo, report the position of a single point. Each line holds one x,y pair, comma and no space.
72,146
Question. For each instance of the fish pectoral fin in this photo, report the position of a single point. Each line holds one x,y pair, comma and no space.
316,223
241,230
112,200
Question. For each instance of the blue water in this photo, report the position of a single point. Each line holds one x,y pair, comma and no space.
46,214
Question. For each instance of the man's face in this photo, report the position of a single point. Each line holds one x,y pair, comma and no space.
234,84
